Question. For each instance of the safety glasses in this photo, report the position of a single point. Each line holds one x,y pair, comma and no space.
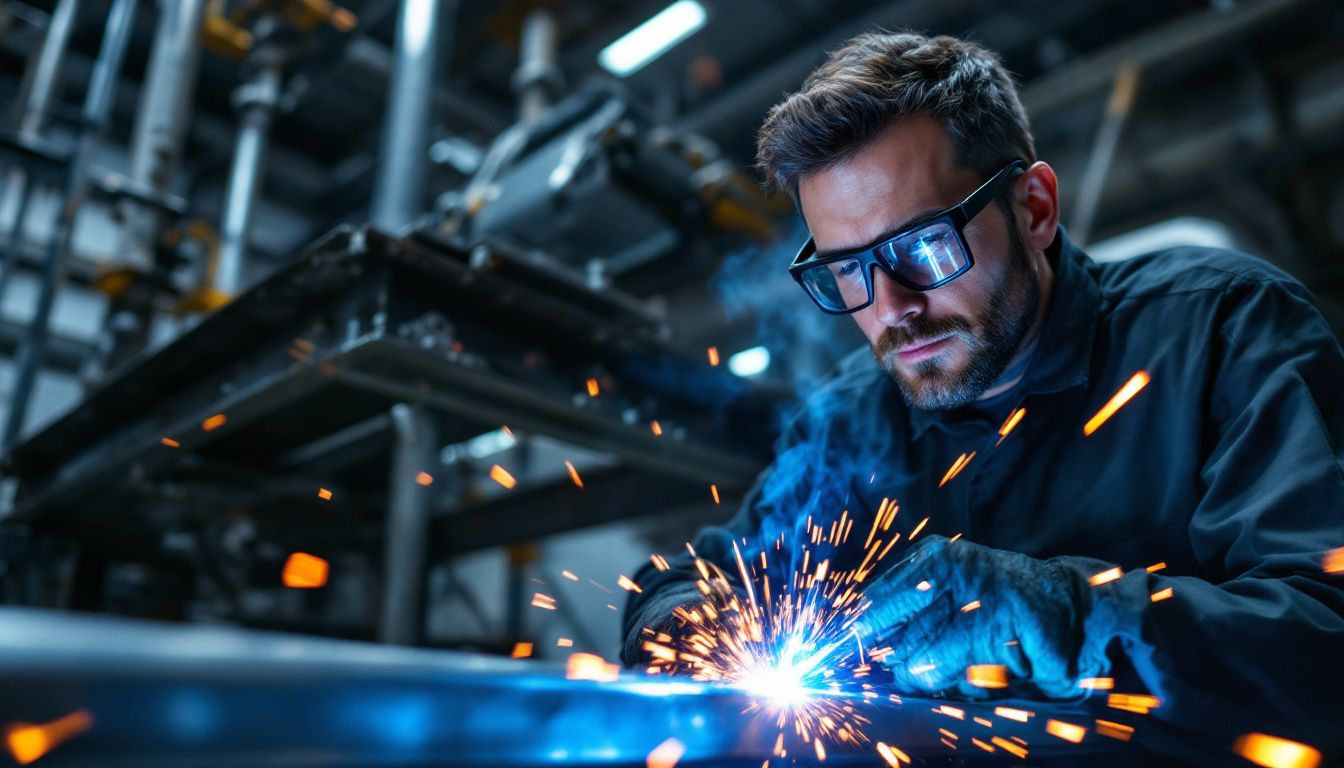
922,256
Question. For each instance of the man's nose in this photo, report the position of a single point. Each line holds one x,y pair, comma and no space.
893,303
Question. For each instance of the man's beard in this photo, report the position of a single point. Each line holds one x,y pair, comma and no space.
991,337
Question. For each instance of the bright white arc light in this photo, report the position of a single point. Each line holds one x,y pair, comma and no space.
653,38
749,362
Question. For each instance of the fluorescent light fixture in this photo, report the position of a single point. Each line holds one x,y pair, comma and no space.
653,38
750,362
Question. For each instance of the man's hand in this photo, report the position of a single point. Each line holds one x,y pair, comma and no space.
952,604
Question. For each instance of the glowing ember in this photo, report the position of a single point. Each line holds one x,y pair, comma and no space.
956,468
545,602
588,666
564,642
1016,750
1155,567
1131,388
713,354
714,492
305,571
593,388
625,583
655,428
521,650
1097,683
1333,562
324,494
214,422
1273,752
987,675
959,714
971,606
574,474
892,755
569,575
1105,577
502,476
170,442
1065,731
923,586
27,742
666,755
1161,594
918,528
1133,702
1114,730
1020,715
424,478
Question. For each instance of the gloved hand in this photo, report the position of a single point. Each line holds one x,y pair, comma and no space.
1038,618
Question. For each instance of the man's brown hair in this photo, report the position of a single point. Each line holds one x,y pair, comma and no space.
878,78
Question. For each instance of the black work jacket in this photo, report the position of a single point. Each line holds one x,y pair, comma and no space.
1227,467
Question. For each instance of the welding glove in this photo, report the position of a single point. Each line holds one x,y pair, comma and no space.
948,605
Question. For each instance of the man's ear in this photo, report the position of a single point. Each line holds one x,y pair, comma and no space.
1036,203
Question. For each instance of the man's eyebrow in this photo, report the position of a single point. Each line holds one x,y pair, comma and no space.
927,212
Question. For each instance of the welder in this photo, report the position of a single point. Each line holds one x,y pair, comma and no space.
1175,548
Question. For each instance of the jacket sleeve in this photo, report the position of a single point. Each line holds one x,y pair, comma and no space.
1258,643
803,476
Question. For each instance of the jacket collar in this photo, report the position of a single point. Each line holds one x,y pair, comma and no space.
1063,354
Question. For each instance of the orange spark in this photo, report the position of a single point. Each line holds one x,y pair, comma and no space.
1155,567
305,571
714,491
1114,730
1065,731
1131,388
324,494
666,755
1013,419
569,575
564,642
1333,562
1007,746
545,602
821,751
214,422
28,742
959,714
655,428
589,666
956,467
170,442
1097,683
923,586
593,388
918,528
502,476
1105,577
982,744
892,755
987,675
1161,594
659,562
574,474
971,606
1273,752
1133,702
1020,715
521,650
713,353
625,583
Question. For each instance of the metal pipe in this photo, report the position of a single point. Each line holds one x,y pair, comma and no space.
537,76
97,106
1103,152
256,101
406,544
406,120
41,89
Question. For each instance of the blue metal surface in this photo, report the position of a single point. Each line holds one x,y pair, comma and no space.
162,695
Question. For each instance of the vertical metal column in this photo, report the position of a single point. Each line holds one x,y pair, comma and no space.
415,448
46,76
1103,152
97,106
538,77
405,142
256,101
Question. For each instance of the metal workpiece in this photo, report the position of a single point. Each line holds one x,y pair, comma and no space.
97,107
406,542
423,26
153,694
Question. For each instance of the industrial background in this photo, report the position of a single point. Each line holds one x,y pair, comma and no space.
365,320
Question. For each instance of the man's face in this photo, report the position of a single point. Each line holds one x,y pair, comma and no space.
946,346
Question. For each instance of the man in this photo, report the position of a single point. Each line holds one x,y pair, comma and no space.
1216,489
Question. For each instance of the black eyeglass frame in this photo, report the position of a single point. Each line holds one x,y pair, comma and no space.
869,256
